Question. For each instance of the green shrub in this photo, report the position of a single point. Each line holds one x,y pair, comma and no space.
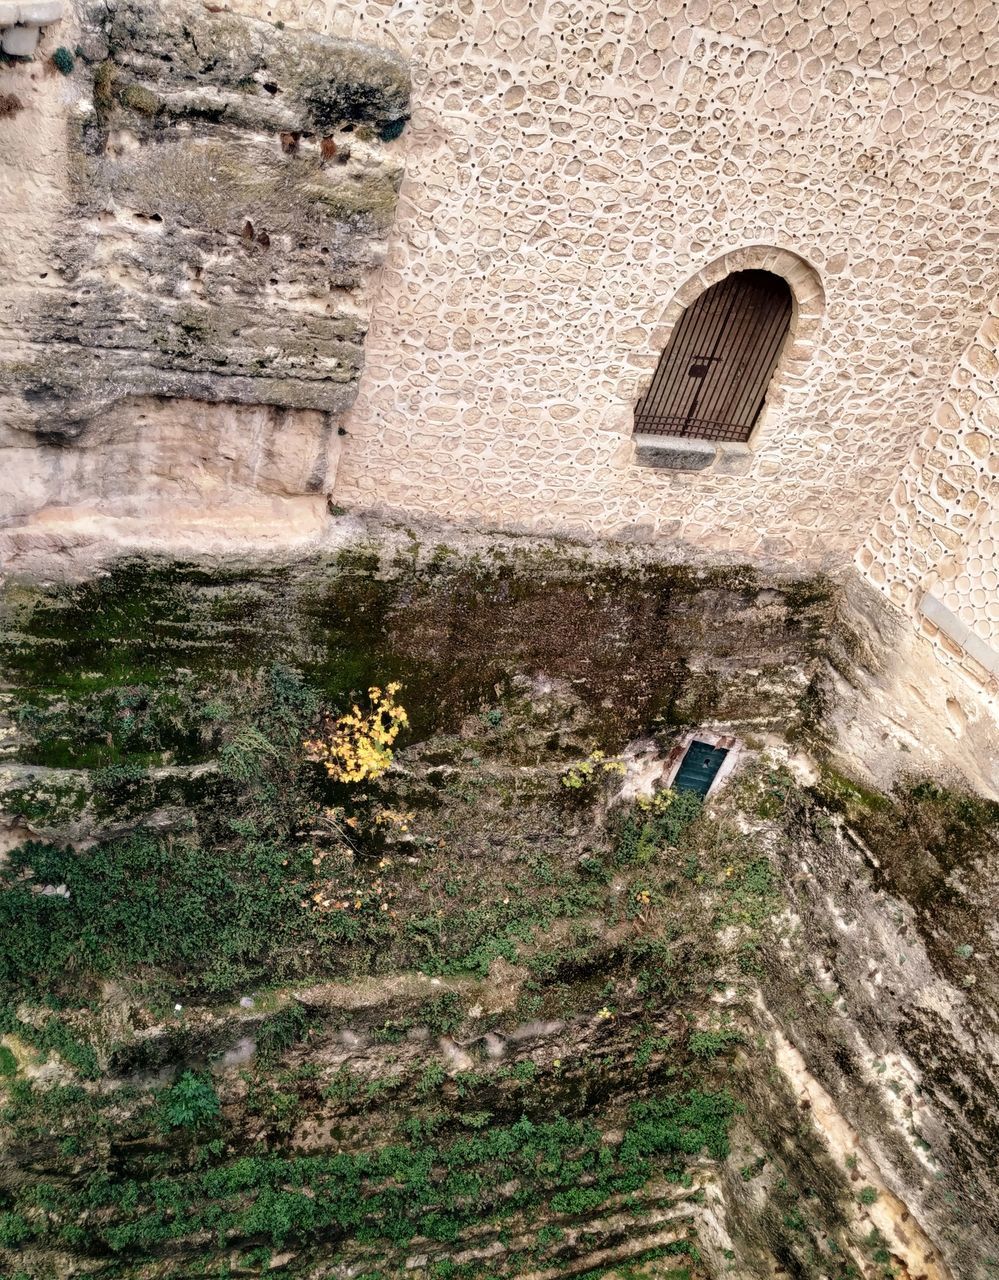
751,895
63,60
708,1044
284,1029
215,919
120,786
189,1104
442,1014
645,831
54,1036
392,1193
683,1124
247,754
14,1230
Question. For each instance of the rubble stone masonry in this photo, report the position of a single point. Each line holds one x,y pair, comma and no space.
576,168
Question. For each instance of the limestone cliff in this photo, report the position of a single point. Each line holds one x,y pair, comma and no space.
218,198
349,925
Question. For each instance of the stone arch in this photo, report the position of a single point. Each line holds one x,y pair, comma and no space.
807,311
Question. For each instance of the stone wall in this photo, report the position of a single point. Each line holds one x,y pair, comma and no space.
574,167
202,229
935,549
201,224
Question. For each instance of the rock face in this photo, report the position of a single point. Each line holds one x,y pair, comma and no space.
895,707
198,199
888,1000
498,1011
228,188
504,1007
933,552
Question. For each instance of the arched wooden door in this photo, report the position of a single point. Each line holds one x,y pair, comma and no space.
712,377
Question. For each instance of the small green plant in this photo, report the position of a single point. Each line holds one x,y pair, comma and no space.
655,824
878,1245
708,1044
431,1080
442,1014
775,787
867,1195
14,1229
751,895
190,1103
63,61
475,1119
279,1033
649,1046
583,772
245,756
119,785
8,1063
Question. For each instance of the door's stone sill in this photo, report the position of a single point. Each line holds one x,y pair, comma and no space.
679,453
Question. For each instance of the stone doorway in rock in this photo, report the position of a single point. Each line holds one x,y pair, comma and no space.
698,767
701,761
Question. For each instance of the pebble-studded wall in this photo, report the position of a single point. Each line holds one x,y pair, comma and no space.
572,164
935,549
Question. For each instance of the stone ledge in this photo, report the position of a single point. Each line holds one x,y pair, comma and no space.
32,15
674,453
21,24
734,460
959,632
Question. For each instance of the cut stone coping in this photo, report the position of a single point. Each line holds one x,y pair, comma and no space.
951,625
19,41
21,24
35,14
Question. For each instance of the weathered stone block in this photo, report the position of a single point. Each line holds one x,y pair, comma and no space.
734,460
35,13
663,453
205,257
20,41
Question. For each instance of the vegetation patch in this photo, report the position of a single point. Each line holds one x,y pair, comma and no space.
351,952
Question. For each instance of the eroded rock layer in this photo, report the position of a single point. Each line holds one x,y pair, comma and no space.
508,1008
227,189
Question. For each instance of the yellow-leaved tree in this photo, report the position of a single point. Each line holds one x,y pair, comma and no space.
358,745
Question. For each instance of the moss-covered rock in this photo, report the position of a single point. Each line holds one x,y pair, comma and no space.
461,1018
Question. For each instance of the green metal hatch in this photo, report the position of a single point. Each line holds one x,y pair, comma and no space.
698,768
